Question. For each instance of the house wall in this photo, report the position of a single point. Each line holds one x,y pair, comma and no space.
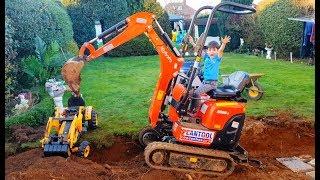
180,8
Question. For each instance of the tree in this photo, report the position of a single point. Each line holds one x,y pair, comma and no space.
134,6
10,67
84,13
162,16
45,18
230,24
283,34
141,45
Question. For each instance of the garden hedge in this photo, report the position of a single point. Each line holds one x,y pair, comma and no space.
224,21
71,47
45,18
247,28
285,35
37,115
84,13
141,45
10,54
134,6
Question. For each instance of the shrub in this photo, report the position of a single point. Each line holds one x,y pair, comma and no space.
10,55
71,47
45,65
134,6
84,13
283,34
141,46
36,116
165,23
109,13
10,67
228,25
45,18
246,27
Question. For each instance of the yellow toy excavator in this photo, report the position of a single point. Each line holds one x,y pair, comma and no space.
68,126
206,144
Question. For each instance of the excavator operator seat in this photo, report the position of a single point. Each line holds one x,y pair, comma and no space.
236,80
231,87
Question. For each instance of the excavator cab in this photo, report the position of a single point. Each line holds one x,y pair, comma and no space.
207,143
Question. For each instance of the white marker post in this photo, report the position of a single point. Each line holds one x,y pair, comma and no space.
291,57
275,56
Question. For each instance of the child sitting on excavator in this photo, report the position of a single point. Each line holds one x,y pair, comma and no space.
212,59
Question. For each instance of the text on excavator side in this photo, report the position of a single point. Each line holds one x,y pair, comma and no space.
165,53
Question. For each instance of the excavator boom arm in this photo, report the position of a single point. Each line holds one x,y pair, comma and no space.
128,29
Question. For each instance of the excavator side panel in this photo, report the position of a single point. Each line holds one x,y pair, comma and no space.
177,93
215,115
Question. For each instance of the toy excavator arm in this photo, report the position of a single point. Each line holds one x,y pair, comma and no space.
131,27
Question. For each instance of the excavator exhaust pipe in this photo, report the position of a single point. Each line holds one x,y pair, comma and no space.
71,72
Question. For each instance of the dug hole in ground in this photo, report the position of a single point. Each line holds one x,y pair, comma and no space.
265,139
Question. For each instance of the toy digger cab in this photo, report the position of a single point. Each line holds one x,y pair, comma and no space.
63,131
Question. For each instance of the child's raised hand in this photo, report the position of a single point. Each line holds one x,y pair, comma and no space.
226,39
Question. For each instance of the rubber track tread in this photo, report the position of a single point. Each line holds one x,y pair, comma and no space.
189,150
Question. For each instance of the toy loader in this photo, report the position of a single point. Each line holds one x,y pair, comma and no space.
207,143
68,127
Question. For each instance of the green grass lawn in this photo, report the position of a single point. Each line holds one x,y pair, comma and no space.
120,89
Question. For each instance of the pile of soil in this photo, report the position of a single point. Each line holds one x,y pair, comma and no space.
264,139
23,134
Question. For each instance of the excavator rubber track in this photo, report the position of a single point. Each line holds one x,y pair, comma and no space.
183,158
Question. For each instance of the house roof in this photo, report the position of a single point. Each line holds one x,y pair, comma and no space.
186,11
172,5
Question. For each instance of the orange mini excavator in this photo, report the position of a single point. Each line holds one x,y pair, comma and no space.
207,143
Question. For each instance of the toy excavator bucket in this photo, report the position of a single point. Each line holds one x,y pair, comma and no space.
71,72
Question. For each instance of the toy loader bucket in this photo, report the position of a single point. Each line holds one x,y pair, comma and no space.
71,72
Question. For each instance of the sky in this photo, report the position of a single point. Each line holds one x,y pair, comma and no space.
196,4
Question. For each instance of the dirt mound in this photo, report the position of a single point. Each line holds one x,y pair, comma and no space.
22,134
264,139
31,165
123,148
277,137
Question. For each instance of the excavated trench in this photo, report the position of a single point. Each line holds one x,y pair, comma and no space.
264,139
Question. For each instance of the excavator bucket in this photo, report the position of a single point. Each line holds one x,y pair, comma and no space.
71,72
